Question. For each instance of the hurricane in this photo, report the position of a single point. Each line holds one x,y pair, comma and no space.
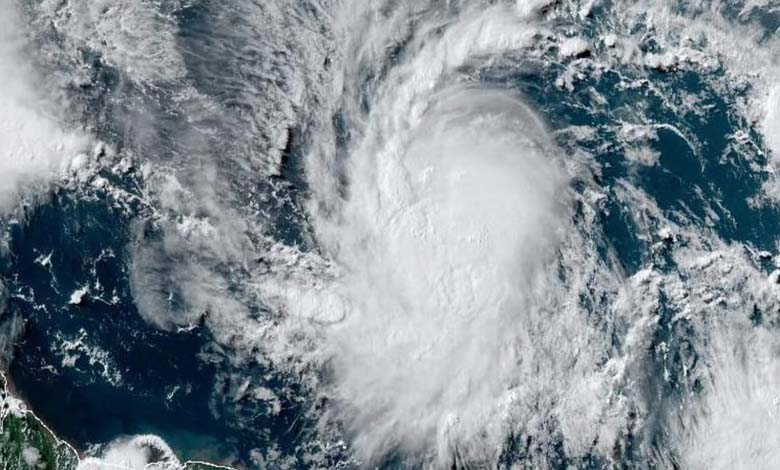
390,234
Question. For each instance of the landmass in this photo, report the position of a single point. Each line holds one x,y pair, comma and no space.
27,443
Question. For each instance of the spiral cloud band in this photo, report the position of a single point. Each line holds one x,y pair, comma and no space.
395,233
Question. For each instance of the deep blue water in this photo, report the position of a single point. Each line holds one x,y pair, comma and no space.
150,361
201,420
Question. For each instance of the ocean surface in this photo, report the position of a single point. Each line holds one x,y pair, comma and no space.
323,234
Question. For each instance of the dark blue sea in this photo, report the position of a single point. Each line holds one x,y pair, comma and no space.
94,369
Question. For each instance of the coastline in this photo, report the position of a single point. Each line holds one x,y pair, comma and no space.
23,427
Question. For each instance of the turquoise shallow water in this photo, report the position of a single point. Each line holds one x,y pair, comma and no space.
96,369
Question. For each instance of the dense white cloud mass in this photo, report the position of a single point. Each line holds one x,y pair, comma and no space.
736,424
456,316
447,321
143,452
34,148
458,294
444,244
457,304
